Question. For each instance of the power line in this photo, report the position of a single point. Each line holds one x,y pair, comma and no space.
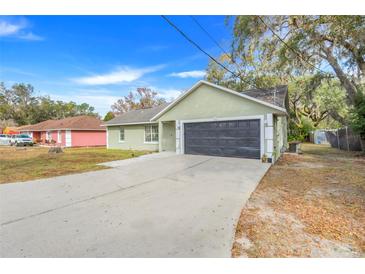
289,47
215,42
210,36
206,53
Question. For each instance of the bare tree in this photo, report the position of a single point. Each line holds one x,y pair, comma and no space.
140,99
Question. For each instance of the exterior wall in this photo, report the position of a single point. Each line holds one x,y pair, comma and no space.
210,103
168,136
54,136
269,136
83,138
133,138
63,138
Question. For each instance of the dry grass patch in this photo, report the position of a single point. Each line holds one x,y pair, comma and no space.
310,205
22,164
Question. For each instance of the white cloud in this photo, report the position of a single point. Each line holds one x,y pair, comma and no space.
31,37
7,28
169,94
189,74
119,75
17,28
101,103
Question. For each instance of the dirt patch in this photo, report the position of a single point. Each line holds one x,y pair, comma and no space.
310,205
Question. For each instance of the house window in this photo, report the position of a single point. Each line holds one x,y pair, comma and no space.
121,134
151,134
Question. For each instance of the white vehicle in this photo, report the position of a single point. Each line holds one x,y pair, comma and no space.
21,140
5,139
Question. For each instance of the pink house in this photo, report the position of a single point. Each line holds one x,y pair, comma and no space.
78,131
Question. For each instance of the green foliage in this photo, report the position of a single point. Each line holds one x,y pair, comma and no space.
110,115
317,98
301,133
357,116
262,59
20,104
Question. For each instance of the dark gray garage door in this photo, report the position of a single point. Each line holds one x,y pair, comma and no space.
239,138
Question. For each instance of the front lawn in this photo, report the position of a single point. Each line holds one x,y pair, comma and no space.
309,205
22,164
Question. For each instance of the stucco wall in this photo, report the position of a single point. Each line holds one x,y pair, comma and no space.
210,102
133,138
80,138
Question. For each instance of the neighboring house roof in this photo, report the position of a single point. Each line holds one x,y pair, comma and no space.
242,94
21,127
82,122
138,116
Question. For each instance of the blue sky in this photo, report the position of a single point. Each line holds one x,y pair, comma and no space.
98,59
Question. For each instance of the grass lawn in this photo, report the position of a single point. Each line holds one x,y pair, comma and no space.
309,205
21,164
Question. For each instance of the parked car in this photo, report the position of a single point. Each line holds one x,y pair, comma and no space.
21,140
5,139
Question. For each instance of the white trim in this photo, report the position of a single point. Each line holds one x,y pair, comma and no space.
269,132
107,138
202,82
152,142
69,134
121,141
126,124
256,117
59,136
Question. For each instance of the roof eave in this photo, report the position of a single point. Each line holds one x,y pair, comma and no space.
133,123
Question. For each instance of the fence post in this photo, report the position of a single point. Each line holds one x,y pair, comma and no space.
338,140
347,140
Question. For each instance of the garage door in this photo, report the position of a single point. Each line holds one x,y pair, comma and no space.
238,138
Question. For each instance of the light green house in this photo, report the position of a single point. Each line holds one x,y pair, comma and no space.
208,120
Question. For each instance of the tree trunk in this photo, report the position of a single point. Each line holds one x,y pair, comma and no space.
346,83
338,118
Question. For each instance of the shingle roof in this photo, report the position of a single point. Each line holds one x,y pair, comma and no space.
82,122
276,96
136,116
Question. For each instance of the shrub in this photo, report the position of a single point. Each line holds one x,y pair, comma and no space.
300,133
357,115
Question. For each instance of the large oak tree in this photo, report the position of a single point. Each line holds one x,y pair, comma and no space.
270,50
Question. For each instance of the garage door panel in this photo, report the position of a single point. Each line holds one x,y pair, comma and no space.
238,138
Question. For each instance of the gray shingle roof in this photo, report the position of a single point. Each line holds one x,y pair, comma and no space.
136,116
276,96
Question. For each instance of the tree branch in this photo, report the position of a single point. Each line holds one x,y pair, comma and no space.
347,84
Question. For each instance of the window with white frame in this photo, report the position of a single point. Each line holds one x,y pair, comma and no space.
121,134
151,134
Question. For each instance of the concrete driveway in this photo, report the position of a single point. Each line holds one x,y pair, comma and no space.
171,206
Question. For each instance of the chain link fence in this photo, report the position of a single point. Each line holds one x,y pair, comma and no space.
345,139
